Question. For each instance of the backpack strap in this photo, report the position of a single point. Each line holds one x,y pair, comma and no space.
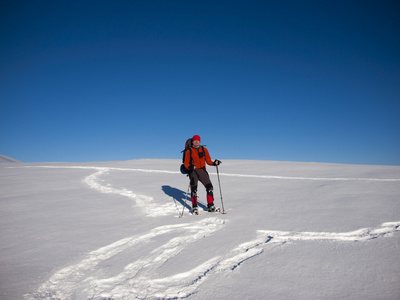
202,150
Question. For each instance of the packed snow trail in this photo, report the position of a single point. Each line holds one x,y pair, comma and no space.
225,174
311,178
142,201
267,237
139,279
129,283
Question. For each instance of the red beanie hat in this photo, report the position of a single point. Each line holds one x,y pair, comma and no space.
196,138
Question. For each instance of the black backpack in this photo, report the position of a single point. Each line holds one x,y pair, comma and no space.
188,146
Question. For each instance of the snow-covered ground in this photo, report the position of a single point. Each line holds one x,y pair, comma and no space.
111,230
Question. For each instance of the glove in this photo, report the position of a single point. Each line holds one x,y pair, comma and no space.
217,162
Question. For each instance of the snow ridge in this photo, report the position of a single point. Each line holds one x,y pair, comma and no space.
6,159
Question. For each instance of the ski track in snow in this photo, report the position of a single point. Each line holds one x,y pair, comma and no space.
139,279
142,201
224,174
152,209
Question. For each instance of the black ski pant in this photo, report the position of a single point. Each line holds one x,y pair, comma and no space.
202,176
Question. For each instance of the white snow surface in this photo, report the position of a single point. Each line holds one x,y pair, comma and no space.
111,230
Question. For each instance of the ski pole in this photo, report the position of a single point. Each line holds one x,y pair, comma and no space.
187,193
220,192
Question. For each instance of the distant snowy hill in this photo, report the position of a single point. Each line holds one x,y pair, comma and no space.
6,159
112,230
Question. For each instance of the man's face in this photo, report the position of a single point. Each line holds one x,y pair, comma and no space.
196,143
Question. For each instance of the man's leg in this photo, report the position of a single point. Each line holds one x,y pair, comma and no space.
193,187
205,180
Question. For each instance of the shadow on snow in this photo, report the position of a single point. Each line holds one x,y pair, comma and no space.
180,196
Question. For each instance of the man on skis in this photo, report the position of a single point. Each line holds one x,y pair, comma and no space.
195,160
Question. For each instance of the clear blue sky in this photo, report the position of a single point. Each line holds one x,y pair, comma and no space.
267,80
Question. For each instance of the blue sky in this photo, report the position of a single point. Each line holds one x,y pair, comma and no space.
268,80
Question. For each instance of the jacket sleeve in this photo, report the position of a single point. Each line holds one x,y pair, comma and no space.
208,158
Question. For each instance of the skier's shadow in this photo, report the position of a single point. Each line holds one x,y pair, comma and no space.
180,196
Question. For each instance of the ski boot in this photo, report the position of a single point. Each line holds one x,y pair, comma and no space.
211,207
195,210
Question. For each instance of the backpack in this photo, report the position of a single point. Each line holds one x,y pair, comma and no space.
188,147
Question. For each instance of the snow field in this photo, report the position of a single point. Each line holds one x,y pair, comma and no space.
225,256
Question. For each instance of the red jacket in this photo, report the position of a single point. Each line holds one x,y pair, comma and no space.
198,158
